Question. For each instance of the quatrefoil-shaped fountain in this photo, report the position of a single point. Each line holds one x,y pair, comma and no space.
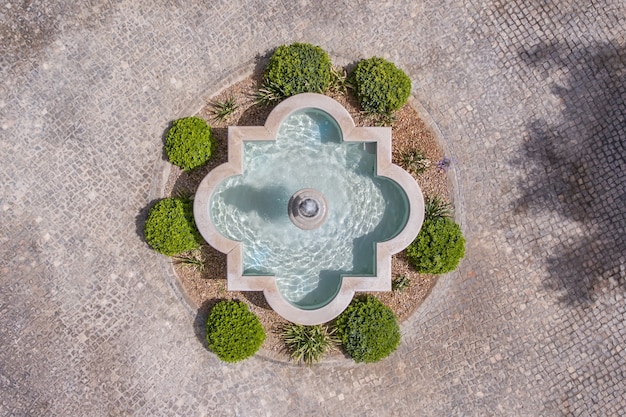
309,208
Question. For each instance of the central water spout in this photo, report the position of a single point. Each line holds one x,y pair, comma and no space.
307,209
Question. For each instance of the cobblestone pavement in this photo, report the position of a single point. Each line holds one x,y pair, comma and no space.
530,97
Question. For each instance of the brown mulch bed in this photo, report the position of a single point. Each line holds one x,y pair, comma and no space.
207,286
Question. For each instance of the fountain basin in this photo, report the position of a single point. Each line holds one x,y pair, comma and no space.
309,163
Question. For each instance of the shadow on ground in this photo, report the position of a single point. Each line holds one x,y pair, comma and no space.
140,219
578,168
199,324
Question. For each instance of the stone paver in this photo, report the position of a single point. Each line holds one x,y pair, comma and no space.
530,97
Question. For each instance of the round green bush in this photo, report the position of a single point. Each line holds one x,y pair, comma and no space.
298,68
368,329
189,143
233,332
438,248
170,228
381,87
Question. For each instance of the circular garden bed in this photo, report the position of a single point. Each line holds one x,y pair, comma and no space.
202,271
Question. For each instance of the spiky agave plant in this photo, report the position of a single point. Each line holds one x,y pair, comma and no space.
400,283
415,161
436,208
192,259
339,82
269,93
222,110
308,344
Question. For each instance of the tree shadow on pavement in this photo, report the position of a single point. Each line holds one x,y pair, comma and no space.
576,168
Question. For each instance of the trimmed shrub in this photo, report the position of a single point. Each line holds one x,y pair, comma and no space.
233,332
298,68
368,329
381,87
189,143
438,248
308,343
170,228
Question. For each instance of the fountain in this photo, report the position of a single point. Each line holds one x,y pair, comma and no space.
309,208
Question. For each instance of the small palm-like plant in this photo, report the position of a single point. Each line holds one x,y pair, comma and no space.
308,344
400,283
222,110
383,119
269,93
414,161
192,259
437,208
183,193
339,80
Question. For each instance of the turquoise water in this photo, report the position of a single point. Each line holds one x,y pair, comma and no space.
363,208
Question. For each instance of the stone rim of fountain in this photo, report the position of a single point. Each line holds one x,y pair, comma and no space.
381,136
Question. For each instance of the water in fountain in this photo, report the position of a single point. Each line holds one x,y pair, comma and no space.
363,208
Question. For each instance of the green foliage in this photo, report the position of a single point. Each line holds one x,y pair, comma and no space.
189,143
192,260
381,87
183,192
439,246
368,329
170,228
436,207
233,332
270,93
400,283
298,68
308,343
339,80
387,119
414,161
222,110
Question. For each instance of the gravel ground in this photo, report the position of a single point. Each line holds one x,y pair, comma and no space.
207,285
